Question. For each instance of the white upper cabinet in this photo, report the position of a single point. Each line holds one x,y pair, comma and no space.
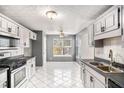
33,35
108,24
97,27
91,35
14,32
8,27
112,20
26,39
3,25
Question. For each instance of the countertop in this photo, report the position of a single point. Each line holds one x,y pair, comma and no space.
86,61
116,77
28,57
3,70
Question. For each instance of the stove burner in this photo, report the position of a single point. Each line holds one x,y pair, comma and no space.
13,63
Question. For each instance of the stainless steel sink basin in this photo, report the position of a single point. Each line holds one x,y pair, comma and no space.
105,68
108,69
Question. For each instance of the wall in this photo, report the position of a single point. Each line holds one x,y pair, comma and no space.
28,50
49,46
111,43
37,49
44,47
84,50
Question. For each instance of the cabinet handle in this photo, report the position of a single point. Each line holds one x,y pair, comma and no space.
24,43
33,36
102,29
5,84
31,65
83,70
17,31
91,78
9,29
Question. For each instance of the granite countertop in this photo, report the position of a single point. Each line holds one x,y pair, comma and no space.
28,57
116,77
3,70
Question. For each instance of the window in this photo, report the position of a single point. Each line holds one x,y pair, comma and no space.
62,47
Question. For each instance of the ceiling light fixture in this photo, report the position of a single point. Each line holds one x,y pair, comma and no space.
51,14
61,33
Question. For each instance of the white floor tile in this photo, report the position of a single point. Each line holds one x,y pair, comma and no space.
57,75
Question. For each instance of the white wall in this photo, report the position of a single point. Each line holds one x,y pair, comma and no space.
85,51
112,43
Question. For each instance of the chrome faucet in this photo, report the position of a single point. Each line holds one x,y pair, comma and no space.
111,57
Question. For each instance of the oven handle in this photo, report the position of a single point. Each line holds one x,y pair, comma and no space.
16,70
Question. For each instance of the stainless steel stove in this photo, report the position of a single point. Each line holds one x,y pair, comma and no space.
17,73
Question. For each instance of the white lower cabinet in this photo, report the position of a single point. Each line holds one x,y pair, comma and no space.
31,67
92,82
98,84
3,80
93,79
87,79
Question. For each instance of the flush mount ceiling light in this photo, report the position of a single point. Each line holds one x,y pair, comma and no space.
51,14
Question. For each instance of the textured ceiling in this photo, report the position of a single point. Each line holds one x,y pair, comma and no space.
71,18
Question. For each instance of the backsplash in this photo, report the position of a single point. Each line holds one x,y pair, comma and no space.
8,42
111,43
4,42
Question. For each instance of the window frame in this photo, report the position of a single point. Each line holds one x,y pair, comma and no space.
62,40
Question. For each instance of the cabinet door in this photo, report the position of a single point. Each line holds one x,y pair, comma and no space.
87,79
98,84
18,32
14,29
9,27
92,81
91,35
33,66
97,27
0,23
26,38
3,80
112,20
21,37
4,24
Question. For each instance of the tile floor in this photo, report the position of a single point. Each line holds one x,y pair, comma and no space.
56,75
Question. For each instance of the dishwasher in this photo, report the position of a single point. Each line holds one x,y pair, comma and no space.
113,84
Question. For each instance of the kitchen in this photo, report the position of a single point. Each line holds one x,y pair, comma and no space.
59,46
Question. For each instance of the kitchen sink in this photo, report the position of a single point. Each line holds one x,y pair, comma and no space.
105,68
108,69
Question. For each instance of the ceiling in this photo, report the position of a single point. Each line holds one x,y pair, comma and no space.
72,18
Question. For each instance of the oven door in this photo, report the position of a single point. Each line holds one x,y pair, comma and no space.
18,77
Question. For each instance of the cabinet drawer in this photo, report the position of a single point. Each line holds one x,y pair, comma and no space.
96,74
3,77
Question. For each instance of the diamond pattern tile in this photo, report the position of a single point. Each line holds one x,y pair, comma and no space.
56,75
